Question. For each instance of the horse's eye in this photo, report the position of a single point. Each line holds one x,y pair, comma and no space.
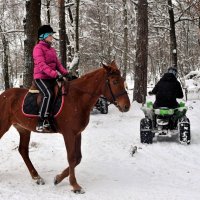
115,82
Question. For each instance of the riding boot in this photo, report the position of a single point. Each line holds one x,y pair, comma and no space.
39,126
46,123
43,125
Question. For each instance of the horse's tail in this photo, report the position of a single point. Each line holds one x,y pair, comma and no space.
9,104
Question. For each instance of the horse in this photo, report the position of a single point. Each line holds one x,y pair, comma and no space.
82,95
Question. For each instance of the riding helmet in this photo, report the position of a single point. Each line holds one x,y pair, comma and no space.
44,29
172,70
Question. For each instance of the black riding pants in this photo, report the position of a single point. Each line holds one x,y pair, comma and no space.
46,86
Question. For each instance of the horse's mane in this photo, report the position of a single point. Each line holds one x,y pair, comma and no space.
90,73
86,76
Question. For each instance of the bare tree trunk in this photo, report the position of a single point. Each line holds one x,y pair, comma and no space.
62,32
5,60
108,30
70,13
77,26
199,31
100,29
69,47
32,23
48,11
75,61
140,82
125,56
173,44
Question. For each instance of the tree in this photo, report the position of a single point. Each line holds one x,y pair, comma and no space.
5,60
75,61
70,35
125,56
48,2
173,44
140,82
77,4
62,32
32,23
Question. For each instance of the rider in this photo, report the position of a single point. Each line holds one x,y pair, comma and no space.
167,90
47,69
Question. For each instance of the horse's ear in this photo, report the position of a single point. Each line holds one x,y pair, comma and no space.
106,67
113,64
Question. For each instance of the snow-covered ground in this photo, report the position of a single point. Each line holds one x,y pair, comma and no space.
161,171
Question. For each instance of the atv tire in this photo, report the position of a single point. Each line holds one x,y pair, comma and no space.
184,130
146,135
103,106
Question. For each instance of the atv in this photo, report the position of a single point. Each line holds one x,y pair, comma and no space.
102,105
164,122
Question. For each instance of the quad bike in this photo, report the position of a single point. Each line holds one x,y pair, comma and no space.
102,105
164,122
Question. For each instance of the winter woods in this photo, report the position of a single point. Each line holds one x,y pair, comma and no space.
102,30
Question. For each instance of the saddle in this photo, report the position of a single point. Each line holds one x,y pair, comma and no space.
33,99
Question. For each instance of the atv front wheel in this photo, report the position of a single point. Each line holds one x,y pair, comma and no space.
104,106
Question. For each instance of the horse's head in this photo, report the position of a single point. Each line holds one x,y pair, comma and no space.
114,89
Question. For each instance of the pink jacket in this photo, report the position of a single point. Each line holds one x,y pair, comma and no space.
46,63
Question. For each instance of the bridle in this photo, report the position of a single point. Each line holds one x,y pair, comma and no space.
113,96
107,85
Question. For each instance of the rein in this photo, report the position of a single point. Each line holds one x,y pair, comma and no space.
107,84
114,97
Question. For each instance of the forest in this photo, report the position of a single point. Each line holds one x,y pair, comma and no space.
134,150
145,37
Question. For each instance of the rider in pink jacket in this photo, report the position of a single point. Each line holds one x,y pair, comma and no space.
46,63
47,68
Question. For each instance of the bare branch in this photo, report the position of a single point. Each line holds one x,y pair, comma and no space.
186,19
12,31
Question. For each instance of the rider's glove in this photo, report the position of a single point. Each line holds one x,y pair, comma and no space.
150,93
69,76
59,78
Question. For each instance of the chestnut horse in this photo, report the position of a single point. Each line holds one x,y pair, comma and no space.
82,95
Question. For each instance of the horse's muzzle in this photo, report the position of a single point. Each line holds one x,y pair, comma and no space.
124,108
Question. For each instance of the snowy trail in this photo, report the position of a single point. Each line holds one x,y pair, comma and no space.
162,171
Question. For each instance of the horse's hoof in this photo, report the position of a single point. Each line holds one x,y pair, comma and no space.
40,181
56,181
80,191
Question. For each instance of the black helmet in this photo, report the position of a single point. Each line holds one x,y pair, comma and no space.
45,29
172,70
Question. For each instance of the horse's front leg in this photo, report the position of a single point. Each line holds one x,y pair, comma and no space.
73,146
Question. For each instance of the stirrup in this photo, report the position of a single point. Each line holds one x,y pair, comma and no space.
46,124
39,128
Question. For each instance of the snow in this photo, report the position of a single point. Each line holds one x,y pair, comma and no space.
164,170
75,62
192,83
174,51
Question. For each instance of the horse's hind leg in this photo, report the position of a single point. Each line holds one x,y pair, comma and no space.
24,151
60,177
